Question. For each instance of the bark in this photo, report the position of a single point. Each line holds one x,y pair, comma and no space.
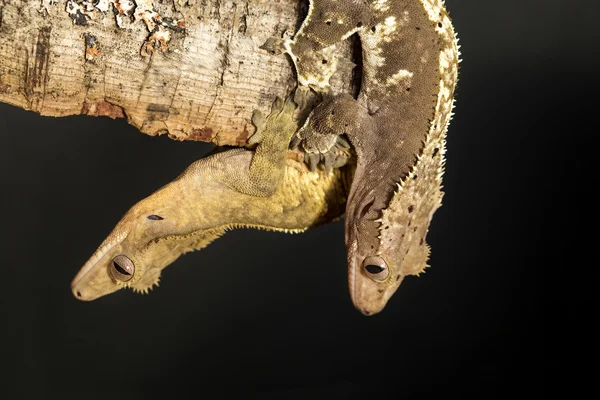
191,69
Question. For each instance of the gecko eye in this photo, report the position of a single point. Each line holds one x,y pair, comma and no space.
122,268
376,268
155,217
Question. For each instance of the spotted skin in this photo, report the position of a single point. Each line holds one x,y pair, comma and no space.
397,127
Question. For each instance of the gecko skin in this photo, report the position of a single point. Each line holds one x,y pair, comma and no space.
397,126
231,189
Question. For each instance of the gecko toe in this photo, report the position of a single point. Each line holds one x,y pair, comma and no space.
331,150
277,105
258,120
290,105
300,97
342,143
328,160
340,160
312,160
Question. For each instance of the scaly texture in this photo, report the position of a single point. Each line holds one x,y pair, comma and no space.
267,168
198,207
231,189
397,126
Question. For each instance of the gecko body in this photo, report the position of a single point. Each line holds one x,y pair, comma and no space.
397,126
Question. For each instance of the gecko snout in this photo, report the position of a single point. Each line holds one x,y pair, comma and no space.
80,294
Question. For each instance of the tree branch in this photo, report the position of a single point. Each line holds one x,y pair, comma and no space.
191,69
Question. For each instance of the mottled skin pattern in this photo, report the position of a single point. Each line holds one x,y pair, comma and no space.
236,188
397,126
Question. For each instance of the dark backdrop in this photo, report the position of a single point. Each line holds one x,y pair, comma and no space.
268,314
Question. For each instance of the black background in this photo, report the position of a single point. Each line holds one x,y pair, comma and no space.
268,315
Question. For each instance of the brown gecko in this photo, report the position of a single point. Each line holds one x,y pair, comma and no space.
397,127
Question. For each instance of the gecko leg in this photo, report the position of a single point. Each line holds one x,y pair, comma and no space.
272,136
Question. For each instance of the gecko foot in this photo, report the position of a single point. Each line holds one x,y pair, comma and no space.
336,157
325,135
321,144
279,122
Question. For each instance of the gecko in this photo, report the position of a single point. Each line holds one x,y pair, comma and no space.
137,250
236,188
397,126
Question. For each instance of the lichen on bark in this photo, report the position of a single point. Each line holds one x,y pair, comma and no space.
203,83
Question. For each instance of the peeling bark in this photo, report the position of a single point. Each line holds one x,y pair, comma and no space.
191,69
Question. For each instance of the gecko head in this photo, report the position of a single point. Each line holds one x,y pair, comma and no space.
385,241
149,237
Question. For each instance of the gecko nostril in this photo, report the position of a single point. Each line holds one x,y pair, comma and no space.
78,293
